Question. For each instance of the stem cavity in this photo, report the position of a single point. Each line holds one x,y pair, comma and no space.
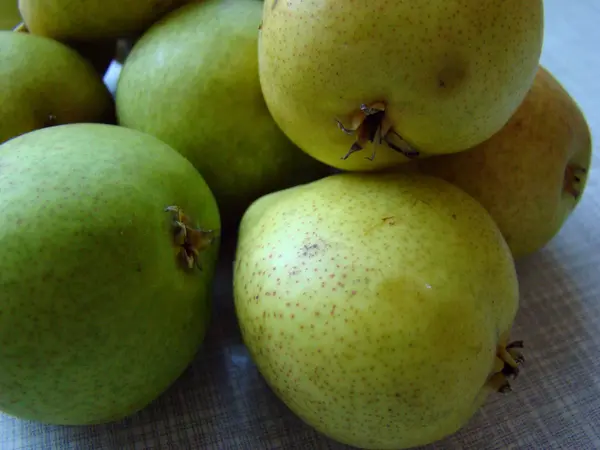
573,175
370,124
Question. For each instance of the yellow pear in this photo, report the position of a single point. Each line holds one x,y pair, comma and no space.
417,77
531,175
377,307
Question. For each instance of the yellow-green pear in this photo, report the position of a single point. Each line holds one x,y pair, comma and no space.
45,83
531,175
90,20
377,307
396,80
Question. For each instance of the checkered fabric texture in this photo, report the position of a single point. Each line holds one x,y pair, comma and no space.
221,402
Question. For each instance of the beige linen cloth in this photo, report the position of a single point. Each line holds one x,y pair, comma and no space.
221,402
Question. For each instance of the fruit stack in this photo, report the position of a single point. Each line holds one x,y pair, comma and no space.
379,166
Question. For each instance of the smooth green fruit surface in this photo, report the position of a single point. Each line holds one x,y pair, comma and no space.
532,174
192,80
45,83
90,20
449,73
374,304
9,14
99,53
98,313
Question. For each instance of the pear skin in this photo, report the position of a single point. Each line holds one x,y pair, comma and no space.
99,53
92,20
532,174
377,307
9,14
368,85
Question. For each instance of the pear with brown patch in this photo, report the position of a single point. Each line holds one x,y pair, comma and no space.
532,174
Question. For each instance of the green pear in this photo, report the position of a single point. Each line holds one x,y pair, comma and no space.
108,242
192,81
90,20
396,80
44,83
531,175
9,14
377,307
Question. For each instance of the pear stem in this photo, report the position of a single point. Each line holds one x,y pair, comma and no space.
573,175
506,365
371,125
190,240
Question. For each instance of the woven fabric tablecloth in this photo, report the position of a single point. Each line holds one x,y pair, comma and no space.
221,402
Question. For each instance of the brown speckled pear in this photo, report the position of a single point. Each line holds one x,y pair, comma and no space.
532,174
45,83
377,307
108,242
412,77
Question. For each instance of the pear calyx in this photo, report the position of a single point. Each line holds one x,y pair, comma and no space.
508,360
371,124
189,239
573,174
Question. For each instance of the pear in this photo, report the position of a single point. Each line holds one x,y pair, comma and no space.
192,81
378,308
9,14
44,83
532,174
395,81
108,242
91,20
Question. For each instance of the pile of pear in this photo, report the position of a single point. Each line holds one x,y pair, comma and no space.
379,167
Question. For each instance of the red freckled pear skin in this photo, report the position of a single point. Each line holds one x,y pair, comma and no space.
368,324
367,85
